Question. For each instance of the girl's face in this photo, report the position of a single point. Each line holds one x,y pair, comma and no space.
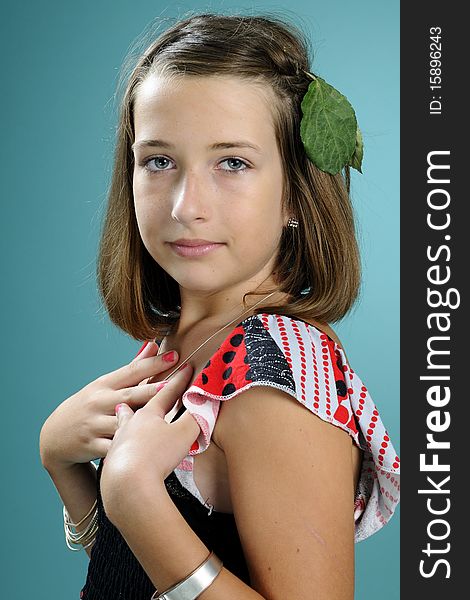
207,181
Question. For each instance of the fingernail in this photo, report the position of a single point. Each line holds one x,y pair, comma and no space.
185,366
145,344
117,407
160,385
169,356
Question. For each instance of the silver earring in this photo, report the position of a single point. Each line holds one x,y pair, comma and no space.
292,222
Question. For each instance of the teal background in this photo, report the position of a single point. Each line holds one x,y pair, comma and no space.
59,66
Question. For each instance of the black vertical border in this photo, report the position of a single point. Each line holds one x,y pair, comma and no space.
421,133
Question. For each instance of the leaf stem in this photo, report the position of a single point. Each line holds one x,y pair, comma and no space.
312,77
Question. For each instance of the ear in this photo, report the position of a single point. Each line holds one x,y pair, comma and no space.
286,213
285,217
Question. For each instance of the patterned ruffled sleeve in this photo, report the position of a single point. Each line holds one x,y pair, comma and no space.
293,356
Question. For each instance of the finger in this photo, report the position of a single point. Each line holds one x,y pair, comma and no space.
105,425
138,370
102,446
186,426
166,398
150,348
123,413
136,396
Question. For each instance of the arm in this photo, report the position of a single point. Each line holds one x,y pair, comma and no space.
304,505
294,484
167,547
81,429
145,450
76,485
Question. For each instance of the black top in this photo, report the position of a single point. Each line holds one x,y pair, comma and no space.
114,573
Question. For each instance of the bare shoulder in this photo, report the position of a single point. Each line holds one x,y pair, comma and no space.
291,477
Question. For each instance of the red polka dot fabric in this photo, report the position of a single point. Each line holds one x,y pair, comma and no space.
296,357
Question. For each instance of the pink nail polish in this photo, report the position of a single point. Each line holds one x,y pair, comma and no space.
169,356
144,346
117,407
160,385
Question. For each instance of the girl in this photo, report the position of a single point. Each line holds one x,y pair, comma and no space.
241,456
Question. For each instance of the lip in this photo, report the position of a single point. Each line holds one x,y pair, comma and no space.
192,242
194,247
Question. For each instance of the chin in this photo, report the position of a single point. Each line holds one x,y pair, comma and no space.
203,282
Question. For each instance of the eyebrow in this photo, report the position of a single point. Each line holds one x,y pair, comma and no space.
216,146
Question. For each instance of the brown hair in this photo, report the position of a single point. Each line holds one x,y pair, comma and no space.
318,263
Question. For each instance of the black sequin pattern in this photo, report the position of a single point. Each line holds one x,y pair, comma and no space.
266,360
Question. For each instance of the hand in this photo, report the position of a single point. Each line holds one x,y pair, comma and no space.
146,448
82,427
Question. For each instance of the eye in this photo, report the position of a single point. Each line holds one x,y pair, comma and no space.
238,161
154,163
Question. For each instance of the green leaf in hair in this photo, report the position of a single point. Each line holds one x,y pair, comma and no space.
328,129
356,160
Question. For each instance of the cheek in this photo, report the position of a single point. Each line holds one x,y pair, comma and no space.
266,221
143,218
138,186
257,233
148,207
150,226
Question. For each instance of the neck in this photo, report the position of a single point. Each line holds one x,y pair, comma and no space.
216,309
206,329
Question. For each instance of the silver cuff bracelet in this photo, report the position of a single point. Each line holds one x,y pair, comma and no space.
195,583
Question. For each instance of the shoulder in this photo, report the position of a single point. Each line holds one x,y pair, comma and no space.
269,357
322,326
291,355
328,330
325,328
275,377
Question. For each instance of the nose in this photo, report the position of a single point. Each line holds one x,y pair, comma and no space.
190,200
